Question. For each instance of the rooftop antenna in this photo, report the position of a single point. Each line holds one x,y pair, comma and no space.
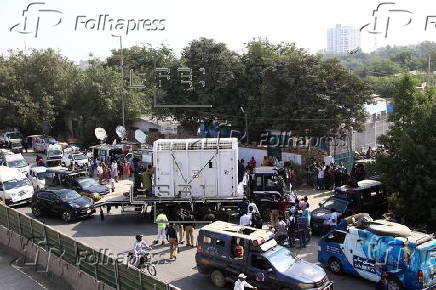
121,132
140,136
100,134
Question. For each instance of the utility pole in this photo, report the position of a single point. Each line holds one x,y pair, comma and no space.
246,123
122,74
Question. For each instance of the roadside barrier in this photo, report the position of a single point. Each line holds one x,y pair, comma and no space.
104,268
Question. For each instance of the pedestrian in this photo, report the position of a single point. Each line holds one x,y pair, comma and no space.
245,220
241,284
241,170
126,168
292,226
281,206
302,226
280,231
256,220
189,229
251,164
171,235
120,169
24,144
253,207
209,216
303,204
332,220
181,217
114,170
112,184
100,173
293,177
382,284
161,221
321,171
274,211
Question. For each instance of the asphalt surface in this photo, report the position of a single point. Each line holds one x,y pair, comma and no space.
16,277
115,234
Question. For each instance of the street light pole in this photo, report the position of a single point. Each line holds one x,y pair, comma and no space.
122,74
246,123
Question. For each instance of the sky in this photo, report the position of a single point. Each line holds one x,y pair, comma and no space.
177,22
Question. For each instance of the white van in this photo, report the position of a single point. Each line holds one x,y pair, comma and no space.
16,161
15,188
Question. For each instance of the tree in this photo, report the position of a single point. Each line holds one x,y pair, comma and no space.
409,168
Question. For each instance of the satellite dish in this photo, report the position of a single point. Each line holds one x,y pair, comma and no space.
140,136
100,133
121,132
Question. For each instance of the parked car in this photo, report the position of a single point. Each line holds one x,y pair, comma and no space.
59,177
407,257
89,187
266,264
15,188
37,177
76,160
65,203
15,161
40,144
369,196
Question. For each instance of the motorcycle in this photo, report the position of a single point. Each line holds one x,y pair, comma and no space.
145,262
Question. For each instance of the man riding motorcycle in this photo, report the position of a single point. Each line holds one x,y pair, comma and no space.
139,250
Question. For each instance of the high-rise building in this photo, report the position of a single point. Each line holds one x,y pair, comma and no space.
342,39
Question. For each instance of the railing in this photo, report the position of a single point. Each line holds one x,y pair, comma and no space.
104,268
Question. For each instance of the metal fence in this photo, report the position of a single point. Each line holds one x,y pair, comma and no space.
104,268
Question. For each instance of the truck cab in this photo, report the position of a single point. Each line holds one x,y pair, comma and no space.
266,264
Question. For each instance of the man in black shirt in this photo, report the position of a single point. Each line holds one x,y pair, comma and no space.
171,234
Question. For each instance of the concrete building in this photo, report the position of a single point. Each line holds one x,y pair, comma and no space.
342,39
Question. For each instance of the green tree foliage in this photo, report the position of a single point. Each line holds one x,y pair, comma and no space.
408,169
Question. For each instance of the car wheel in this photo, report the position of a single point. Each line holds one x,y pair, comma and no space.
36,211
394,284
335,266
66,216
218,279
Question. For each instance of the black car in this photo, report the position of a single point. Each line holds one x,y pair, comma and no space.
65,203
368,197
89,187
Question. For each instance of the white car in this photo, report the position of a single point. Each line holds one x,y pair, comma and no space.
16,161
15,188
37,177
41,144
77,159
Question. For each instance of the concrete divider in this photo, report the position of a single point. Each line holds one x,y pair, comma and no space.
47,262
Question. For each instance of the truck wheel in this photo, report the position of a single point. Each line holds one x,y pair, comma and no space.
335,266
218,279
394,284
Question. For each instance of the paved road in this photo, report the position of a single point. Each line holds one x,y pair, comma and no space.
19,278
116,235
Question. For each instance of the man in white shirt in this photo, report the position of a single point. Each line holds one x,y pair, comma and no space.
245,220
241,284
139,249
332,220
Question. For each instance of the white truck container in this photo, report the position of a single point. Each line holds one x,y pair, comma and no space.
196,168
